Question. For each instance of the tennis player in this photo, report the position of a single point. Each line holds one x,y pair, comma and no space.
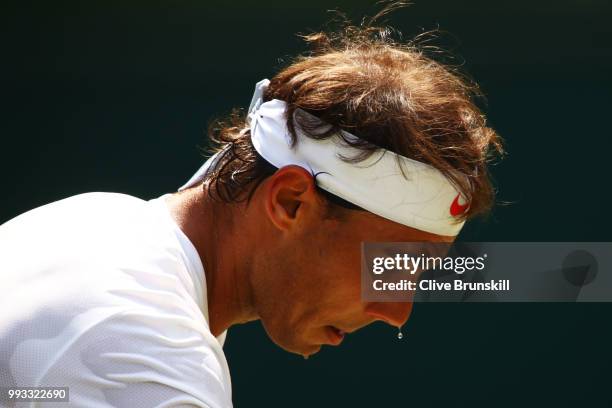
128,302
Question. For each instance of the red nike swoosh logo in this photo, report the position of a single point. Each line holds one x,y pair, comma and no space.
456,208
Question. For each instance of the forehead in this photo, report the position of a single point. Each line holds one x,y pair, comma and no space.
372,227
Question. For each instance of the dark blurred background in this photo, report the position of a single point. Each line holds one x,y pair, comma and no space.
115,96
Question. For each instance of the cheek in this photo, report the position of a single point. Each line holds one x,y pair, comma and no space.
291,282
338,278
316,276
321,283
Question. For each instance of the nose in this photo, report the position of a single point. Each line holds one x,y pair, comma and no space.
393,313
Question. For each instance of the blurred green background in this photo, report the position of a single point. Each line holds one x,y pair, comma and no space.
115,96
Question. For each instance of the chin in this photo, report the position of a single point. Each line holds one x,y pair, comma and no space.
296,346
296,339
311,350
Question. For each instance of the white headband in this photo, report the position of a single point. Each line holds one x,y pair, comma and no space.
423,199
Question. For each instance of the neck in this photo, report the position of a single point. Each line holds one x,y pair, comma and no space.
210,226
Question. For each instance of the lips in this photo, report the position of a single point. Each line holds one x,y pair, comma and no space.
335,335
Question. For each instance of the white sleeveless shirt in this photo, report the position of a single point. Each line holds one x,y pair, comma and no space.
104,294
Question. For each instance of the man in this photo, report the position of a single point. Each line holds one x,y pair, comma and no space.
127,302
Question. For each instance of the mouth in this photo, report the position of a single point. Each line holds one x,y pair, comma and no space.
335,335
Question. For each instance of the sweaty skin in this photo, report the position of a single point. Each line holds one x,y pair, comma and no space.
286,257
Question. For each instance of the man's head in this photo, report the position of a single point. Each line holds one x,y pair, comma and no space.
304,274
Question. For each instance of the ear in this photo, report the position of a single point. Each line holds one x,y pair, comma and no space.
291,198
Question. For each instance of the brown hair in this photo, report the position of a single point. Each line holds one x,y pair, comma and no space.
389,94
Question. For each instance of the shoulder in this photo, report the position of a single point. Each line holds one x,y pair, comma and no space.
83,223
74,210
